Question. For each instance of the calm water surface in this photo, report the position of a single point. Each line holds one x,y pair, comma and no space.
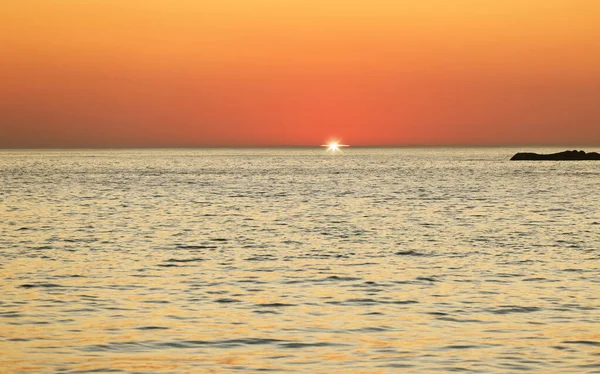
294,260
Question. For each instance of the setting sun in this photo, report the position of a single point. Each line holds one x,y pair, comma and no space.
334,146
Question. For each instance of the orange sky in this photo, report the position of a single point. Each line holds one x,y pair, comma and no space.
118,73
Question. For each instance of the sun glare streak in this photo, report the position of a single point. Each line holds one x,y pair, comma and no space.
334,146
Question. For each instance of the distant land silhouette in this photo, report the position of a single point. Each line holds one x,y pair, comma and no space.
560,156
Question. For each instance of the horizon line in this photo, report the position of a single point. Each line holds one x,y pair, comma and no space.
301,146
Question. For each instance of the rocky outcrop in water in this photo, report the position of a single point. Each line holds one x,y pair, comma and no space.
560,156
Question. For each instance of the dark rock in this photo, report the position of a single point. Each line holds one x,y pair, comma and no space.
560,156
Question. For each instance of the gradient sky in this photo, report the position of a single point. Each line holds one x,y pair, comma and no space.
118,73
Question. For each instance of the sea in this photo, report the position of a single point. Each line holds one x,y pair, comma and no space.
368,260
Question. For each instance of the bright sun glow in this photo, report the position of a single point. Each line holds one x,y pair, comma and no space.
334,146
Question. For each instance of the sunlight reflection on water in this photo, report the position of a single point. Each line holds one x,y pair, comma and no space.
373,260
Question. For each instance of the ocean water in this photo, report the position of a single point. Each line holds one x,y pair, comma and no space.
295,260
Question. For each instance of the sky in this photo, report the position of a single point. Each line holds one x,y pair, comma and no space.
187,73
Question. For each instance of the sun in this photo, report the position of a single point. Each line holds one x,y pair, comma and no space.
334,146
